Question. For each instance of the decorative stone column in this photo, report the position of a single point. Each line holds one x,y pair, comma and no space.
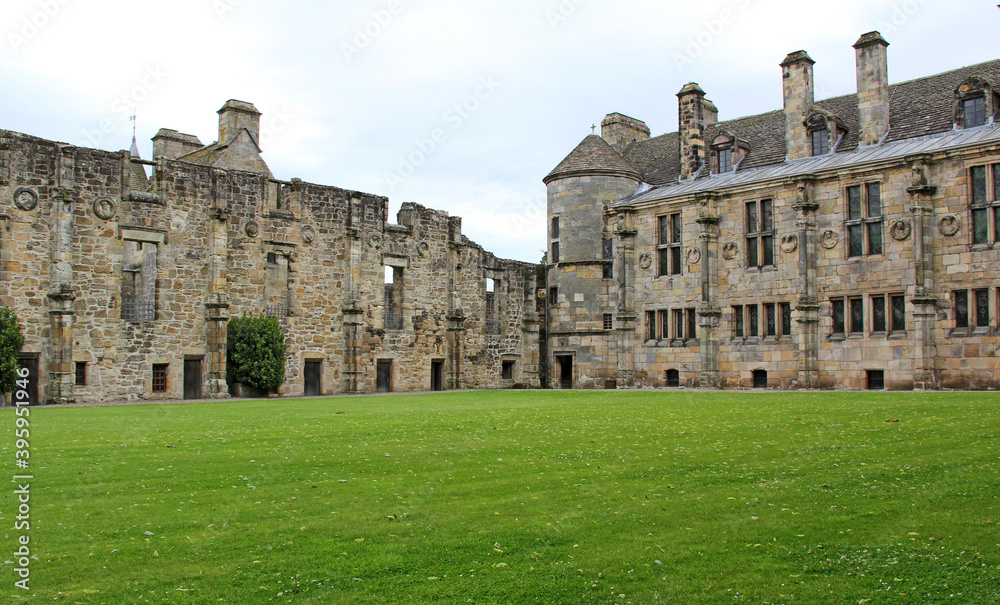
709,312
925,375
61,295
808,303
455,315
352,308
625,326
217,304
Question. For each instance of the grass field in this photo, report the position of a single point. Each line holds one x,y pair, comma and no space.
516,497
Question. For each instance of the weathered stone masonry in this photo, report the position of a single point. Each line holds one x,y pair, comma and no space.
126,283
851,242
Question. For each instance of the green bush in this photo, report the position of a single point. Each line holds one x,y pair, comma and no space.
256,352
11,341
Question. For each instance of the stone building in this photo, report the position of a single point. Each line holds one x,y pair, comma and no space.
851,242
125,279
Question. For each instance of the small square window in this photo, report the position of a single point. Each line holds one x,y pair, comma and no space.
160,377
507,370
609,321
876,380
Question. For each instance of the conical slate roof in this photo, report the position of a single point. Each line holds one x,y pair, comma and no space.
593,156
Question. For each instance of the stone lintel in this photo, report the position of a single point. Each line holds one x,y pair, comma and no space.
148,235
922,190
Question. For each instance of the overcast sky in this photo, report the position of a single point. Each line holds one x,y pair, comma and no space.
462,106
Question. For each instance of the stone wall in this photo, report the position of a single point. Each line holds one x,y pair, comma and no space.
205,244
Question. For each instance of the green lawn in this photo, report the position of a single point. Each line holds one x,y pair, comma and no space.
516,497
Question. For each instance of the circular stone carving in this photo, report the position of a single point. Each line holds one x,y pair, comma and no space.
252,229
105,208
423,249
730,251
308,234
901,230
950,225
789,243
25,198
374,241
646,260
693,255
829,239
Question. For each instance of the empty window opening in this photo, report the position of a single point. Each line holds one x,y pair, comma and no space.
139,282
876,380
760,379
491,308
673,379
507,370
393,298
81,373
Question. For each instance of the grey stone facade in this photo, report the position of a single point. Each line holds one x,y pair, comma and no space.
851,242
125,283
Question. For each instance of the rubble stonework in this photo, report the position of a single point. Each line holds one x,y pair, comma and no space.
875,199
121,273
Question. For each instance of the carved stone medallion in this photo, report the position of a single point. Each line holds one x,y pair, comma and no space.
693,255
950,225
252,229
829,239
646,260
901,230
423,249
25,198
308,234
374,241
730,251
105,208
789,243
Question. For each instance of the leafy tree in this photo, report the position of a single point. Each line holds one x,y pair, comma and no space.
11,341
256,352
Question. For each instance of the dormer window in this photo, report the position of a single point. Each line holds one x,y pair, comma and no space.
724,157
974,112
820,142
975,102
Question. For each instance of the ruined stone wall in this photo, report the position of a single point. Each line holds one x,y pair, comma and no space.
201,244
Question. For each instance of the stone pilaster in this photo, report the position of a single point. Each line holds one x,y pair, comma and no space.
61,293
626,315
352,308
709,312
808,301
925,375
455,316
217,303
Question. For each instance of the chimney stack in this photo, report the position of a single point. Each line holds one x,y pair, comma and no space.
873,87
691,127
620,131
234,117
797,76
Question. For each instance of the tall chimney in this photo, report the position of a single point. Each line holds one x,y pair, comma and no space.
691,127
234,117
797,76
873,87
620,131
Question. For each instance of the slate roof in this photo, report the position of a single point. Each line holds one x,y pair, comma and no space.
954,139
917,108
593,156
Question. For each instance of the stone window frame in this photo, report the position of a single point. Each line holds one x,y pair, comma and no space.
609,321
982,206
746,323
972,89
758,235
670,238
394,293
651,326
852,321
869,223
821,121
142,236
508,369
727,143
608,256
668,326
555,253
493,305
893,324
80,374
554,240
969,320
160,378
553,299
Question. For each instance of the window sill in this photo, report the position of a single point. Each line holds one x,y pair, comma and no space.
897,335
981,247
959,333
837,337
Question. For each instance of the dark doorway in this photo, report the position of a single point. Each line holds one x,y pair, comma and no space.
565,371
31,364
673,379
437,375
760,379
383,376
192,379
313,377
876,380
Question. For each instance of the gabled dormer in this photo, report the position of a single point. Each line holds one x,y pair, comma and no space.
824,130
727,151
976,103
